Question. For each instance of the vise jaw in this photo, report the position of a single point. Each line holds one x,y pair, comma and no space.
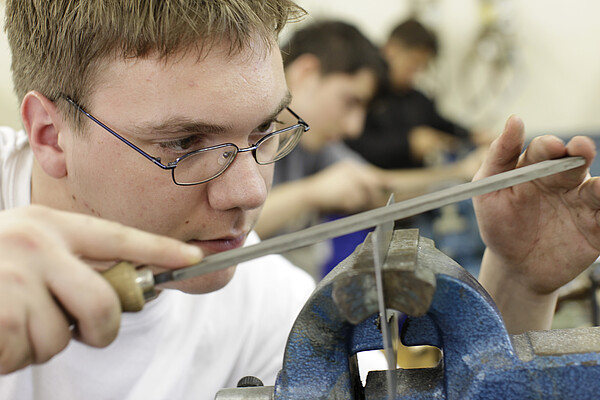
446,307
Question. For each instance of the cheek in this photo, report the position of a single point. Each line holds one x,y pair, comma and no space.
91,178
101,161
111,185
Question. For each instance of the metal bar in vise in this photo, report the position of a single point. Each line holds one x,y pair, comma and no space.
382,237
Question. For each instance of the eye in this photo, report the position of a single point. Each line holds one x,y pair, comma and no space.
183,144
268,126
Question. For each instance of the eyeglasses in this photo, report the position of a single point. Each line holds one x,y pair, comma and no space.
203,165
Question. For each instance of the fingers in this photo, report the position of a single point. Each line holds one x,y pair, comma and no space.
126,243
39,287
504,152
47,328
45,286
371,186
14,348
87,298
32,326
582,146
550,147
99,239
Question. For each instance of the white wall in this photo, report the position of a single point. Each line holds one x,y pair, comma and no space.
553,81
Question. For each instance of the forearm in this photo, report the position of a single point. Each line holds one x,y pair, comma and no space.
407,183
522,308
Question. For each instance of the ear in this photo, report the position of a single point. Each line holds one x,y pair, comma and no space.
43,124
303,72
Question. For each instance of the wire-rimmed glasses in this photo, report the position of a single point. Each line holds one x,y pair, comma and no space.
203,165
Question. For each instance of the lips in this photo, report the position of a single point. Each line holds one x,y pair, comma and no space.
219,245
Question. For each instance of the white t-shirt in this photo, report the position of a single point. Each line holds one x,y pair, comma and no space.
180,346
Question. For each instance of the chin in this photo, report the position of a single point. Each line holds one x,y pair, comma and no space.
205,283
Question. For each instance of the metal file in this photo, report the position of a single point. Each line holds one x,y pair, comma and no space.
371,218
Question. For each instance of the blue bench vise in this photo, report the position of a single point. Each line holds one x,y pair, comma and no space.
445,307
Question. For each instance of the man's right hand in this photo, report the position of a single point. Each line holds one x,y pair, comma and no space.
47,282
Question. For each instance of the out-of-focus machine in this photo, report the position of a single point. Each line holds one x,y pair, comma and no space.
445,307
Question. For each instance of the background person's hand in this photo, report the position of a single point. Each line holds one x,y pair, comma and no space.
346,187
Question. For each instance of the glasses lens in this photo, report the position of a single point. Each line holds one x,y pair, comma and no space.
204,165
278,145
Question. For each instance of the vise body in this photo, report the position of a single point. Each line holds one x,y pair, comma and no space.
445,307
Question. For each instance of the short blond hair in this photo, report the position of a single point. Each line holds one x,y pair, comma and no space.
58,45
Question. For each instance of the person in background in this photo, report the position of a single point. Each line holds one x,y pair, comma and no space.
403,128
174,84
333,72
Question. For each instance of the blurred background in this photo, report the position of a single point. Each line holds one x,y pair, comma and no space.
537,58
9,110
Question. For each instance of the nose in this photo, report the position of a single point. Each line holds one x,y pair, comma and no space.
243,185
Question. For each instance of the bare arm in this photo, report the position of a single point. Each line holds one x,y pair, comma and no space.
348,187
407,183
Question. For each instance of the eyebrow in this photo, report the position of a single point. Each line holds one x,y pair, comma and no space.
283,104
179,125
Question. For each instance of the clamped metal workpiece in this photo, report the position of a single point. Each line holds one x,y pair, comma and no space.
446,308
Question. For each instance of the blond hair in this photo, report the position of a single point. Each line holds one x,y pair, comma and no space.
58,45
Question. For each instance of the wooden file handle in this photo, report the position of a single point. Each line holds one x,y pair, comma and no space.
133,286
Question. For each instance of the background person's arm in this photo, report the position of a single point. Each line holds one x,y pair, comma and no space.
344,187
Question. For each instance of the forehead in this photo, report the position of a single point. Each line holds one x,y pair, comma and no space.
415,52
214,86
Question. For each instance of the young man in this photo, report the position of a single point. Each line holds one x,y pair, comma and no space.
170,78
404,128
333,71
75,196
